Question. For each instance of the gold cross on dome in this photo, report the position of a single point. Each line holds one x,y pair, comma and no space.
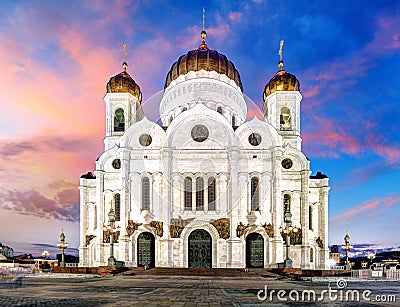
280,52
125,53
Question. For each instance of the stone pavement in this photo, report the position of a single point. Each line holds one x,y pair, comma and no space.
173,291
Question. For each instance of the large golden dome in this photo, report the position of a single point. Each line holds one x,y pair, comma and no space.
203,58
123,83
282,81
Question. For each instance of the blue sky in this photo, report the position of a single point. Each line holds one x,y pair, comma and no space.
57,56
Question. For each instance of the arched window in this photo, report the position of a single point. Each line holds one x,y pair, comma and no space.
211,193
170,119
219,110
285,118
145,193
254,194
199,193
187,193
286,203
311,254
119,120
310,217
117,202
233,120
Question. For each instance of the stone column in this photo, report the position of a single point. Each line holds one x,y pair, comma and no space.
323,227
304,207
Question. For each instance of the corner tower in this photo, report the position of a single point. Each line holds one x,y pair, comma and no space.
282,104
123,104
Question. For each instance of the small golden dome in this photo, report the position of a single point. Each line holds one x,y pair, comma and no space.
203,58
123,83
282,81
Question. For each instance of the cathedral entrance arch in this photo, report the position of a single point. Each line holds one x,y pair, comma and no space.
254,251
199,249
146,249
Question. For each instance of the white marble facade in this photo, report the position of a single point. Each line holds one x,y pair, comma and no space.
205,168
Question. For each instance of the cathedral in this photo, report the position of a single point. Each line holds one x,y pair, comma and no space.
204,188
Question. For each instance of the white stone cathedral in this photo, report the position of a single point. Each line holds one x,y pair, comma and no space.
206,188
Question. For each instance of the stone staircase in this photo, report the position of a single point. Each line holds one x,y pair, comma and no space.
220,272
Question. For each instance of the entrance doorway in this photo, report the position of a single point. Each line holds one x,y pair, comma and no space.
199,249
254,251
146,249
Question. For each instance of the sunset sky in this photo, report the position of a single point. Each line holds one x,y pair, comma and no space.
57,56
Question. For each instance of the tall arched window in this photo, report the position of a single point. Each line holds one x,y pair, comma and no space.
233,120
170,119
187,185
285,118
199,193
219,110
119,120
145,193
211,193
310,217
117,203
311,254
286,203
254,194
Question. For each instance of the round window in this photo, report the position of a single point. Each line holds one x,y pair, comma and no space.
287,163
199,133
255,139
116,164
145,139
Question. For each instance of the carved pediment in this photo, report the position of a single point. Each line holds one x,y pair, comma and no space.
107,234
177,225
157,227
132,227
223,227
88,239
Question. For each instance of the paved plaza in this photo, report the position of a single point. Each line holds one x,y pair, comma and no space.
180,291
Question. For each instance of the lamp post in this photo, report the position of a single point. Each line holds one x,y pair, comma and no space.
63,245
287,231
111,229
346,248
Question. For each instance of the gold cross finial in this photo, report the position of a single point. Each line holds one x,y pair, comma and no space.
62,229
280,52
347,231
204,15
124,64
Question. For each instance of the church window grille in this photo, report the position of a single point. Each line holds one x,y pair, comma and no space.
254,194
145,193
211,193
119,120
286,203
188,193
199,194
117,202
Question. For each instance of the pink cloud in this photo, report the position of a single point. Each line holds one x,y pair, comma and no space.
235,16
372,208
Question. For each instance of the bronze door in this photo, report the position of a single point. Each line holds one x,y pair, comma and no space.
254,251
199,249
146,250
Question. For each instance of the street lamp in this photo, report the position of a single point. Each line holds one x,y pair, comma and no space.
111,229
287,231
63,245
346,248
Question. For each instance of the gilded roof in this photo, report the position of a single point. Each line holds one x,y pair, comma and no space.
282,81
203,58
123,83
